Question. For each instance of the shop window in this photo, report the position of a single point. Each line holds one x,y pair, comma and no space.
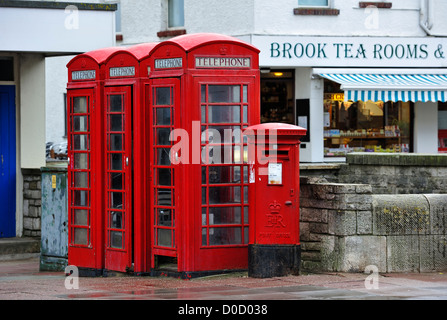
364,126
277,96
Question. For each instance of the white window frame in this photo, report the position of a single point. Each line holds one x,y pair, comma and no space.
329,5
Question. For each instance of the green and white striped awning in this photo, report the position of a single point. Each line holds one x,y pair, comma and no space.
391,87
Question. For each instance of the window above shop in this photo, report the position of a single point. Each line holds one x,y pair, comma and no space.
313,3
176,13
316,7
175,20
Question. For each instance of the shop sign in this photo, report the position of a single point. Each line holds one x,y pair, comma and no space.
83,75
351,51
222,62
334,96
168,63
122,72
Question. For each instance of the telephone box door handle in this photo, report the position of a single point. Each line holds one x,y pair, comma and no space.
288,203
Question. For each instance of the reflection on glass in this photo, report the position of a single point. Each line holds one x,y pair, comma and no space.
224,195
80,217
80,142
162,135
80,124
116,103
116,240
116,199
224,93
80,180
224,215
203,93
80,161
224,114
116,161
164,177
163,96
226,174
116,142
164,238
116,220
164,217
163,116
116,122
80,236
80,198
225,236
80,105
163,156
116,181
164,197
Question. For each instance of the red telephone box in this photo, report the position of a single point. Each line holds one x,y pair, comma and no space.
204,93
274,248
108,198
85,145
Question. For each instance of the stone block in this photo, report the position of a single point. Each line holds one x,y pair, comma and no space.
364,222
400,214
433,253
358,252
403,253
313,215
438,213
329,253
342,222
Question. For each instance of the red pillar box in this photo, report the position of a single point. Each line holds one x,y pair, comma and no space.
204,93
85,153
274,248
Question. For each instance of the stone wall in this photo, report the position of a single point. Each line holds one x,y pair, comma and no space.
32,202
402,173
345,228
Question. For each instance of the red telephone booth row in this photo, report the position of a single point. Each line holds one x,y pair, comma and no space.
158,174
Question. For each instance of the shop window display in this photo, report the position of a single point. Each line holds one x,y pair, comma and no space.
364,126
277,96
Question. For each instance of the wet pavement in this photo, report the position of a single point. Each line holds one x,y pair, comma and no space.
22,280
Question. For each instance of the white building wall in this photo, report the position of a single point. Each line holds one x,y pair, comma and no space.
425,127
276,17
32,110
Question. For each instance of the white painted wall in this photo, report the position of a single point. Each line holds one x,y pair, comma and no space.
32,110
425,127
305,88
276,17
55,87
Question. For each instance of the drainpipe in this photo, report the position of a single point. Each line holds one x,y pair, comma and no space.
426,16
